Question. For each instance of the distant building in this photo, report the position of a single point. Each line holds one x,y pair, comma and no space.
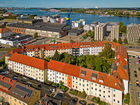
88,27
42,28
78,24
133,32
12,41
114,32
5,32
100,32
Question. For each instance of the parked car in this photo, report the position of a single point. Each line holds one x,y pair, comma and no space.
14,77
74,99
24,79
139,94
135,72
40,85
137,84
136,75
137,81
29,83
83,102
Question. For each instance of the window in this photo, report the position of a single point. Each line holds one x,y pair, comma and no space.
118,101
100,95
103,91
114,95
108,91
14,103
99,90
114,100
15,100
109,96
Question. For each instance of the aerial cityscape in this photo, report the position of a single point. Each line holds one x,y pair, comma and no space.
78,52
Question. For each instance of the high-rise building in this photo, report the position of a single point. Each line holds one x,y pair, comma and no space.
133,32
115,32
100,32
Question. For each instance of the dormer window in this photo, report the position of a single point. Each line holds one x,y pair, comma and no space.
94,76
83,73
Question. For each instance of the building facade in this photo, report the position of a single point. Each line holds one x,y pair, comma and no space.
100,32
133,32
115,32
109,87
5,32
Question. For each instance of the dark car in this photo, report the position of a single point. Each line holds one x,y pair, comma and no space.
40,85
137,84
83,102
74,99
136,75
24,79
135,72
14,77
29,83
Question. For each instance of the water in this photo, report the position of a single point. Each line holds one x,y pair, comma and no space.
89,18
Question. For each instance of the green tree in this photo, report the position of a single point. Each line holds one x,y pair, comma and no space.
83,94
125,41
31,16
107,51
139,40
98,100
120,41
35,35
56,56
122,27
114,40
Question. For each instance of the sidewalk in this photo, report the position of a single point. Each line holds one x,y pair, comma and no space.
79,98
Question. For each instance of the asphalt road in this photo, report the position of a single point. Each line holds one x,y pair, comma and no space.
134,99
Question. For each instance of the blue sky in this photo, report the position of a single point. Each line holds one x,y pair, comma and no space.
70,3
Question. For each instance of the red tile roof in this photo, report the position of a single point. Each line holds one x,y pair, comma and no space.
30,61
8,81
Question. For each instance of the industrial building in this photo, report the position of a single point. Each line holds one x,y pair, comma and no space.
17,40
5,32
42,28
78,24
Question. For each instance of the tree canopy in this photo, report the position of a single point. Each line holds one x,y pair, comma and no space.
114,40
120,41
35,35
125,41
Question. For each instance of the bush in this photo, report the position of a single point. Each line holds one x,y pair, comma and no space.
126,98
48,83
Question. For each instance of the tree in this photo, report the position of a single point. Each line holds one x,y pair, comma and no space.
71,41
83,94
139,40
35,35
107,52
31,16
56,56
122,27
125,41
114,40
120,41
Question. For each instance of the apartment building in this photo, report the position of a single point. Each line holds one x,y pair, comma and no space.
78,24
114,32
6,84
23,95
28,66
100,32
133,32
109,87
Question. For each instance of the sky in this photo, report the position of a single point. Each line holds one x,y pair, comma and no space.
70,3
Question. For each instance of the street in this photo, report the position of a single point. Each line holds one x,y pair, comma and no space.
134,99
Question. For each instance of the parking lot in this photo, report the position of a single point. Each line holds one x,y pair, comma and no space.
134,80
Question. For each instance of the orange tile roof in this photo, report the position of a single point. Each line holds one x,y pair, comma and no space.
8,81
30,61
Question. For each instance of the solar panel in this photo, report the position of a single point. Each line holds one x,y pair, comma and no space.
25,89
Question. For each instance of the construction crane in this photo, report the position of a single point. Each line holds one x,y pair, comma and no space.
68,18
53,40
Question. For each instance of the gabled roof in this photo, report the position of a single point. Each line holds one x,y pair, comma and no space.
6,84
30,61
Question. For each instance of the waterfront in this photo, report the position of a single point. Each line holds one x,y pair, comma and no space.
89,18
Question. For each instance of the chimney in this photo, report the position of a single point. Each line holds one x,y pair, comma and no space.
40,101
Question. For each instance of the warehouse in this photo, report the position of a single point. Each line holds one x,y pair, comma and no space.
15,40
42,28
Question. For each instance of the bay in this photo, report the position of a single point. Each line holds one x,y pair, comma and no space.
89,18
